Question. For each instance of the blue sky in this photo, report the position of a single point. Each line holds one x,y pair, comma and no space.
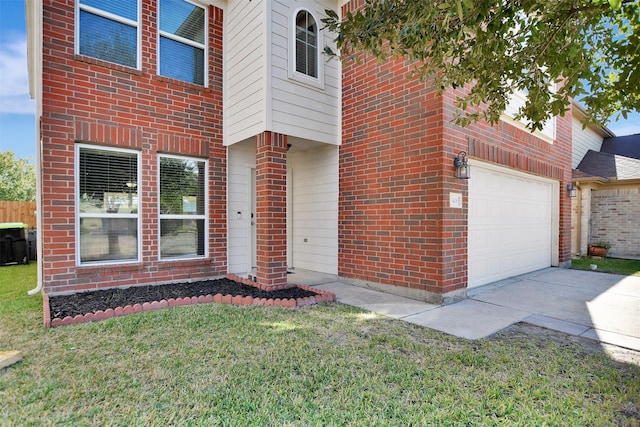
17,110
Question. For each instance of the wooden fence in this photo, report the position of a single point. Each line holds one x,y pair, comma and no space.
18,212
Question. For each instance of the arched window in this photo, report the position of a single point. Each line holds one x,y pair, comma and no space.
306,44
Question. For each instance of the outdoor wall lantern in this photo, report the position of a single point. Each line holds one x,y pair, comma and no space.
571,190
462,165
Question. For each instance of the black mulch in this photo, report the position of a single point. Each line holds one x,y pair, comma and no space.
89,302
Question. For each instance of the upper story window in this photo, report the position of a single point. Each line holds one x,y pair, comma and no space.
182,35
306,44
518,99
109,30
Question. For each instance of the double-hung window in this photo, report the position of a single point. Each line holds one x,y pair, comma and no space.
109,30
182,41
183,207
107,205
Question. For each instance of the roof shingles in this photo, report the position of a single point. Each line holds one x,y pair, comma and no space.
619,158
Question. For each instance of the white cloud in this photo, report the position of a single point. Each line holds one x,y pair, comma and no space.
14,79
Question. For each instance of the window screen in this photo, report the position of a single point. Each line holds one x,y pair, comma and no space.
107,197
182,41
108,30
182,207
306,44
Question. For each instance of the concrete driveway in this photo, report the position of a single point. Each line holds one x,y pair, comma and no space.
598,306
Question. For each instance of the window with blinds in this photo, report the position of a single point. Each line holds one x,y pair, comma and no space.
183,207
107,204
109,30
306,44
182,38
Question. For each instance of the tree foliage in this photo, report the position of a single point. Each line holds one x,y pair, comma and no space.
552,51
178,178
17,178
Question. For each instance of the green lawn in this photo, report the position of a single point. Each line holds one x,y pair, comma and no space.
627,267
328,364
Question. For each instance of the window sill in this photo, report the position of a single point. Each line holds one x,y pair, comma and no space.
115,267
184,262
304,80
107,64
519,125
182,83
136,72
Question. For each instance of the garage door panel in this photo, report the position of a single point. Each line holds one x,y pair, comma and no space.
510,223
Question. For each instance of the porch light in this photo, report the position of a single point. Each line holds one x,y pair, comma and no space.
463,168
571,191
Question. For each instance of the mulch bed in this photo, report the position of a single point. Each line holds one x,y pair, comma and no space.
102,304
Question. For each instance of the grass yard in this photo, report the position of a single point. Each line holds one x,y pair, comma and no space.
627,267
328,364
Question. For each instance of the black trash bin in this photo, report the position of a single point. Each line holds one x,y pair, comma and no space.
13,243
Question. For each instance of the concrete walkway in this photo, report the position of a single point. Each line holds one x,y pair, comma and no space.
598,306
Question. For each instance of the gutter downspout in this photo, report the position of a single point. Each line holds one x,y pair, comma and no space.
579,220
38,287
33,14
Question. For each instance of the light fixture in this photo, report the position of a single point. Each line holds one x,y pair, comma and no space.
462,165
571,190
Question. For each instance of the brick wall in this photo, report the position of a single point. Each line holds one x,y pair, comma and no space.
390,208
517,148
396,171
614,219
92,101
271,215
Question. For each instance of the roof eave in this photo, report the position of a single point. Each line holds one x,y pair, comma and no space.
580,113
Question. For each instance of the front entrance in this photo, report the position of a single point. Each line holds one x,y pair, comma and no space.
311,208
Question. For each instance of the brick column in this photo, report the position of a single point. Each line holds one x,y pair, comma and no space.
271,210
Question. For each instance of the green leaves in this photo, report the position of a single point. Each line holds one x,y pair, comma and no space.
587,48
17,178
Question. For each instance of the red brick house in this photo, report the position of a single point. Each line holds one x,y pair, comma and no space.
187,139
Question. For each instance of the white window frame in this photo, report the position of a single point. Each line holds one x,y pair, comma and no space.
204,47
183,216
104,14
79,215
317,82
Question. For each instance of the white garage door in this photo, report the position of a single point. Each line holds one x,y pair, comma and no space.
512,221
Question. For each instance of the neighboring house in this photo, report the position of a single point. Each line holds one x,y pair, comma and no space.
607,205
182,140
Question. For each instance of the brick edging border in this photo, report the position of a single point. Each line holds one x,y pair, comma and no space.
322,296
